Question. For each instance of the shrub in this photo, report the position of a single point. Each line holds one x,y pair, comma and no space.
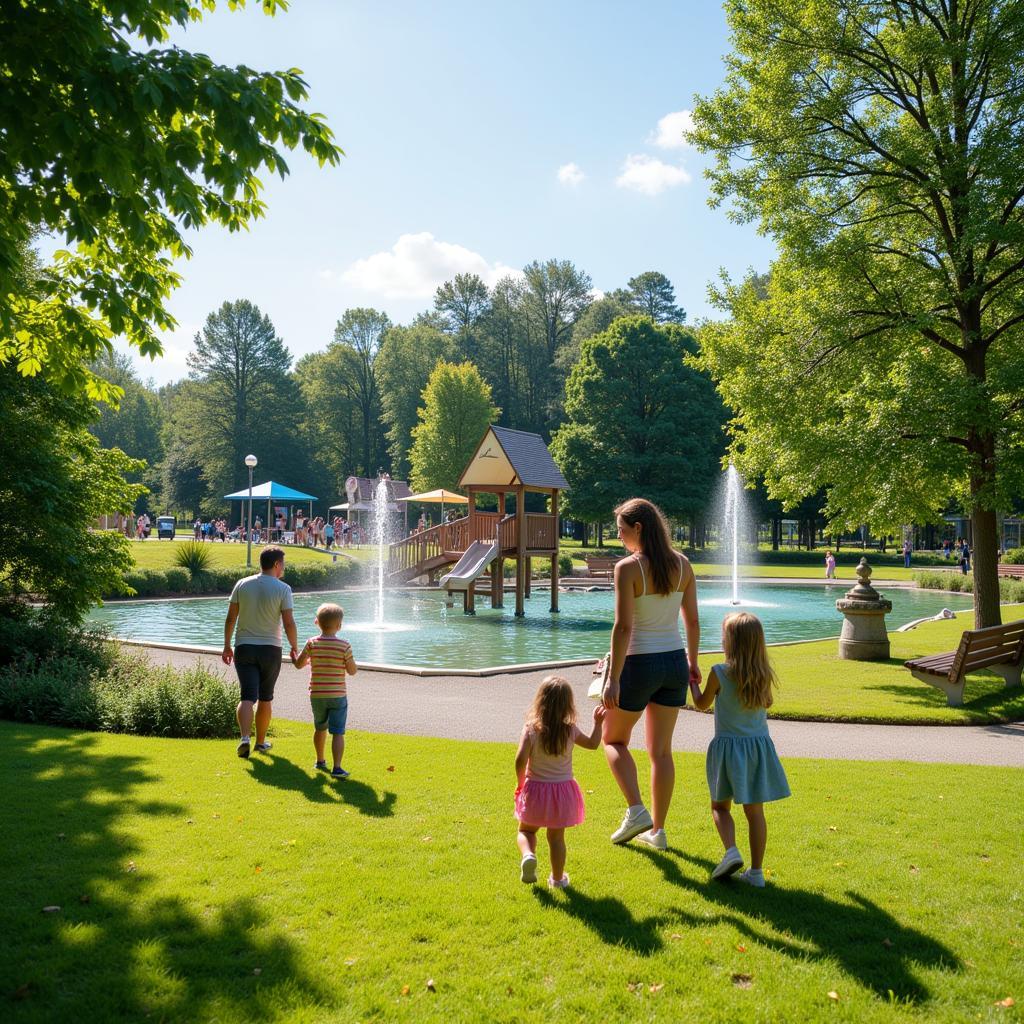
1015,556
146,700
193,556
564,565
1010,591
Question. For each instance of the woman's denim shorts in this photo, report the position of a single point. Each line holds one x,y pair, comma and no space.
660,678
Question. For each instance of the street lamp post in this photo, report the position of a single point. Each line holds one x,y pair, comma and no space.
250,461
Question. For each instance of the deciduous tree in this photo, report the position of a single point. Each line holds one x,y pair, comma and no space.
456,411
878,142
120,148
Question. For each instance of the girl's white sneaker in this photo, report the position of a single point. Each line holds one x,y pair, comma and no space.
655,839
728,865
561,883
528,869
757,881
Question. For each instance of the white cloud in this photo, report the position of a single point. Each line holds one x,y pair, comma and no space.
416,265
646,174
570,174
669,133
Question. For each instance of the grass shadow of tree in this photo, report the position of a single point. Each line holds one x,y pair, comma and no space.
812,926
320,787
609,918
116,949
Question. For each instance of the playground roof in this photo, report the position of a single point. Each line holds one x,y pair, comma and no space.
271,491
510,458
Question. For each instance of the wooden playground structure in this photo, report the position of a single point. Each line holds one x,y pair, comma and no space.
506,463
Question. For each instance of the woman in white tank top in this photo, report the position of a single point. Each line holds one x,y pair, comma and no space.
651,666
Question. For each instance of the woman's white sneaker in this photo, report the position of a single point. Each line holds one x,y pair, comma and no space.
632,825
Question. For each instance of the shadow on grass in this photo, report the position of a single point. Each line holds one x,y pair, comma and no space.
812,926
985,696
321,788
112,948
608,918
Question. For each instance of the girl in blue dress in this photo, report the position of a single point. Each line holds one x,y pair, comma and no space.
742,764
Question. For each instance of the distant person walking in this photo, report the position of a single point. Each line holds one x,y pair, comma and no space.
830,566
907,549
259,605
649,668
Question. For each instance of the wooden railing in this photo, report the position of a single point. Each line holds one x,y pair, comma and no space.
456,537
540,531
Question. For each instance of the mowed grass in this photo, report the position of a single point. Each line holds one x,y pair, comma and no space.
159,554
759,570
816,684
193,886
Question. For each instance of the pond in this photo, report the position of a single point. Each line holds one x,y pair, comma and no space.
420,631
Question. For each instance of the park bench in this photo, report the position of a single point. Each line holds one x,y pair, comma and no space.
597,566
1014,571
997,648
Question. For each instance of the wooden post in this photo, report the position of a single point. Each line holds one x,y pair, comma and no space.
498,582
554,557
470,607
529,577
520,556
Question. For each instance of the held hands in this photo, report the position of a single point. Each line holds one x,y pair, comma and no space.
294,655
610,694
599,712
226,655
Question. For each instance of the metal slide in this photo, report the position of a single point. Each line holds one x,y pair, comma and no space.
478,556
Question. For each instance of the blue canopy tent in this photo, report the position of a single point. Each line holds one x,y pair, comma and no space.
273,491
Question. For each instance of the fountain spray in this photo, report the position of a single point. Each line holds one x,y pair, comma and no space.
380,538
732,525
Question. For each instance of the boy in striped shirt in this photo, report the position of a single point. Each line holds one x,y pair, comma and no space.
331,660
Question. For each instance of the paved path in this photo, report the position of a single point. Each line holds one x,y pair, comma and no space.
491,708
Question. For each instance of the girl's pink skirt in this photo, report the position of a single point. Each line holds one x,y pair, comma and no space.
550,804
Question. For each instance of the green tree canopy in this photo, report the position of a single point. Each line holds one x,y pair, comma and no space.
878,142
242,400
404,363
652,295
464,303
641,422
360,332
456,411
56,483
118,149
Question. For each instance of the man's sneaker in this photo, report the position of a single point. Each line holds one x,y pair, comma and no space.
729,864
757,881
320,766
632,825
262,748
561,883
340,773
243,748
655,839
528,869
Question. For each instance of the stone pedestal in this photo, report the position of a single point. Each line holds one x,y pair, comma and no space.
864,636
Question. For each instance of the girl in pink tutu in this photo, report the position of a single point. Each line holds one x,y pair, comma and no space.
548,796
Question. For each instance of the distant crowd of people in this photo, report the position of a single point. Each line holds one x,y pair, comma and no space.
131,525
305,531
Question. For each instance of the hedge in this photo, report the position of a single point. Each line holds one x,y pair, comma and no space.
177,581
1009,590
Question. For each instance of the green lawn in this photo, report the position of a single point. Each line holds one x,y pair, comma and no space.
816,684
844,574
193,886
157,554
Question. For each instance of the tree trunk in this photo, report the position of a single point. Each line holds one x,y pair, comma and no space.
984,560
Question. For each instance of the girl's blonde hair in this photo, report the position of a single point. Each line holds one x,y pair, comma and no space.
553,714
746,656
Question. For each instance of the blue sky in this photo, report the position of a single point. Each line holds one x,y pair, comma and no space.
478,136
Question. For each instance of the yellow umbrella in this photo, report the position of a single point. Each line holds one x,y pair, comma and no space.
438,497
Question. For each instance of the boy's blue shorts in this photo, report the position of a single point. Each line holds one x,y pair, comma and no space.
330,713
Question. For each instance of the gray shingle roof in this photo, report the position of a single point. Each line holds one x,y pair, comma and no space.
530,458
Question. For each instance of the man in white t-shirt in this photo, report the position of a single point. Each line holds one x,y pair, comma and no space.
259,605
